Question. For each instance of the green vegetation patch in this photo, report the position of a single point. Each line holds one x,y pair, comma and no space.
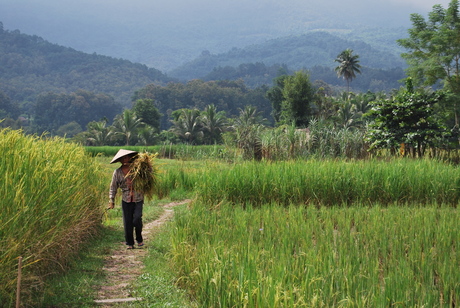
332,182
52,193
297,256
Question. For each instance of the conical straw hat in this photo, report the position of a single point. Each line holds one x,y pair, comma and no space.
120,154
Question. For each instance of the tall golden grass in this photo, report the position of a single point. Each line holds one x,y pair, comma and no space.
51,204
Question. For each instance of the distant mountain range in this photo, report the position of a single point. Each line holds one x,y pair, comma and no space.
30,65
170,34
316,48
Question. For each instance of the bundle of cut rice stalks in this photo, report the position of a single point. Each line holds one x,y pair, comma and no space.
144,174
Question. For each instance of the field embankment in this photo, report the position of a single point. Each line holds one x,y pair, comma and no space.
51,192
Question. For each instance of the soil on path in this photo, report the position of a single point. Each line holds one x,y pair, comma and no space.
125,265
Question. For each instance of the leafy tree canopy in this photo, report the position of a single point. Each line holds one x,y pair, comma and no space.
434,49
53,110
407,118
298,95
145,109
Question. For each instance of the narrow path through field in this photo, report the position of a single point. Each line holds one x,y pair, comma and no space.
123,266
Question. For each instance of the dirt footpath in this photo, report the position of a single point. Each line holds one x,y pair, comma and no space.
124,265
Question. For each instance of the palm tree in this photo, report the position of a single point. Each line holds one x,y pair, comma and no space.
249,116
213,123
146,135
347,114
99,133
127,124
187,125
348,66
248,130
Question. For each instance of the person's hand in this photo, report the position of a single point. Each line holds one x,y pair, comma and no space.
111,205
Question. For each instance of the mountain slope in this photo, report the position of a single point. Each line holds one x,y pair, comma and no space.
316,48
29,65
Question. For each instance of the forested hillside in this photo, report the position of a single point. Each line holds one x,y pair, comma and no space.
30,65
314,51
60,90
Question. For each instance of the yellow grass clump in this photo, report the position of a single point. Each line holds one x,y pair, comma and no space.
144,174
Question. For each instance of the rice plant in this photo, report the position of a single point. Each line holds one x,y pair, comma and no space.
332,182
300,256
51,192
321,234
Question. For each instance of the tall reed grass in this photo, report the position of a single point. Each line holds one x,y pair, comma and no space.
332,182
298,256
51,192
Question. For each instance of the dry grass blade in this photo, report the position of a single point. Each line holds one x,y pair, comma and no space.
144,174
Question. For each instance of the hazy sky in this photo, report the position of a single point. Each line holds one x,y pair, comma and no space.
423,4
181,29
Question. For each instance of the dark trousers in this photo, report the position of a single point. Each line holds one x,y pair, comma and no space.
132,220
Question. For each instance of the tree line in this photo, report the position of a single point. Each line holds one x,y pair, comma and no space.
411,119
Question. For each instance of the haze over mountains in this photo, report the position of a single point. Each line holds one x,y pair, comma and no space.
166,35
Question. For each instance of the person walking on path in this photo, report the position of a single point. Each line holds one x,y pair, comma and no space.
132,201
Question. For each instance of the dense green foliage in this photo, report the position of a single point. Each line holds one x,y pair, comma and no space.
433,46
433,50
298,97
52,193
228,96
407,118
52,110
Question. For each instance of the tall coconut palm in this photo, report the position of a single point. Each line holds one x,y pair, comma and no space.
127,124
348,66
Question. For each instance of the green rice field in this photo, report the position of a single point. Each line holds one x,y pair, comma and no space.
300,233
321,234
